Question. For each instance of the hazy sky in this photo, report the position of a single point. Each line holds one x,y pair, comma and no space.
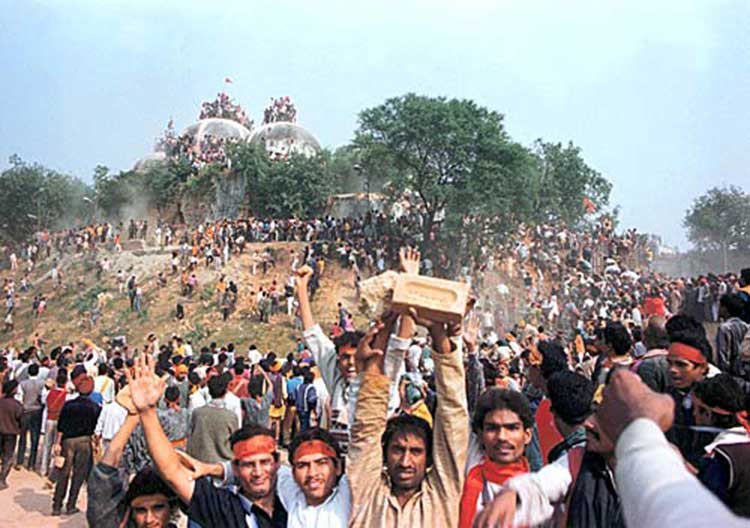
657,96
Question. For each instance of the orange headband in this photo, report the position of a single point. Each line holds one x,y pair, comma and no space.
686,352
255,445
347,348
314,447
741,416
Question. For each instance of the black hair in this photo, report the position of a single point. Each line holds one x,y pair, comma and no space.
686,330
553,358
255,387
117,363
172,394
348,339
62,377
495,399
217,386
102,369
655,335
33,369
148,482
404,424
314,433
571,395
308,376
239,368
617,336
724,392
194,378
734,304
9,387
745,276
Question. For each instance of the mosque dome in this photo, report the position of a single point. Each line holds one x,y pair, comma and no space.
282,138
150,161
216,127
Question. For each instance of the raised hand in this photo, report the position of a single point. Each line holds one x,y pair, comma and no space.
471,334
370,359
408,260
146,389
627,398
302,278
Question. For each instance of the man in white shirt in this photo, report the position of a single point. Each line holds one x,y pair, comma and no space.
110,421
314,491
104,385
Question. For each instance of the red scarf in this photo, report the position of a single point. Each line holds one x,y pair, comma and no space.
486,471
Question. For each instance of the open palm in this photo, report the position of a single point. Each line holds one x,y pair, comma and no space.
146,389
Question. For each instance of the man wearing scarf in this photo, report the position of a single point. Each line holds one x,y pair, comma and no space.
502,424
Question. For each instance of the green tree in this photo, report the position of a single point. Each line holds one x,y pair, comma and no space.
298,186
33,197
565,184
720,220
455,156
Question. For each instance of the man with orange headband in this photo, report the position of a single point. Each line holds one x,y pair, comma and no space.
314,491
719,403
255,462
688,365
335,359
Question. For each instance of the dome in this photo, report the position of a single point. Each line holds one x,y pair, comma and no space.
283,138
216,127
150,161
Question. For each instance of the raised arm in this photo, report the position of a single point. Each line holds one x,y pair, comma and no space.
106,489
113,455
451,433
304,274
365,453
146,391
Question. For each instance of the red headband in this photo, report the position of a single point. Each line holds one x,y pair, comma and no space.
255,445
347,348
686,352
314,447
741,416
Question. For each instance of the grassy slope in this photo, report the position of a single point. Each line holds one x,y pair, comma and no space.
66,317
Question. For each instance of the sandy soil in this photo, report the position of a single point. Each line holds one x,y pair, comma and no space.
26,503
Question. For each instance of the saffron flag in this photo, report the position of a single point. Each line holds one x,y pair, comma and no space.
227,80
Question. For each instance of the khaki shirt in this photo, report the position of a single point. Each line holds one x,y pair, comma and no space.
436,504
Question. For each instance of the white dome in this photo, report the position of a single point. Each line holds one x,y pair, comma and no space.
222,128
282,138
149,161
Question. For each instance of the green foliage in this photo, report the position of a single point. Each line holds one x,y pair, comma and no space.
298,186
33,197
719,220
564,182
86,301
207,293
454,155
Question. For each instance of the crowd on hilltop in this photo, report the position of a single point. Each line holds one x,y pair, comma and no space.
280,110
224,108
557,419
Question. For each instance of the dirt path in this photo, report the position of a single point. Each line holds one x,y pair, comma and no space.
26,503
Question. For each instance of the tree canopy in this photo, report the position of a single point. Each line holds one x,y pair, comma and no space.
459,161
719,220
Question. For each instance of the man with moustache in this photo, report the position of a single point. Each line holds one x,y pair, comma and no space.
252,502
577,489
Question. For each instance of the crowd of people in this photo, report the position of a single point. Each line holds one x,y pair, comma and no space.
604,405
224,108
280,110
